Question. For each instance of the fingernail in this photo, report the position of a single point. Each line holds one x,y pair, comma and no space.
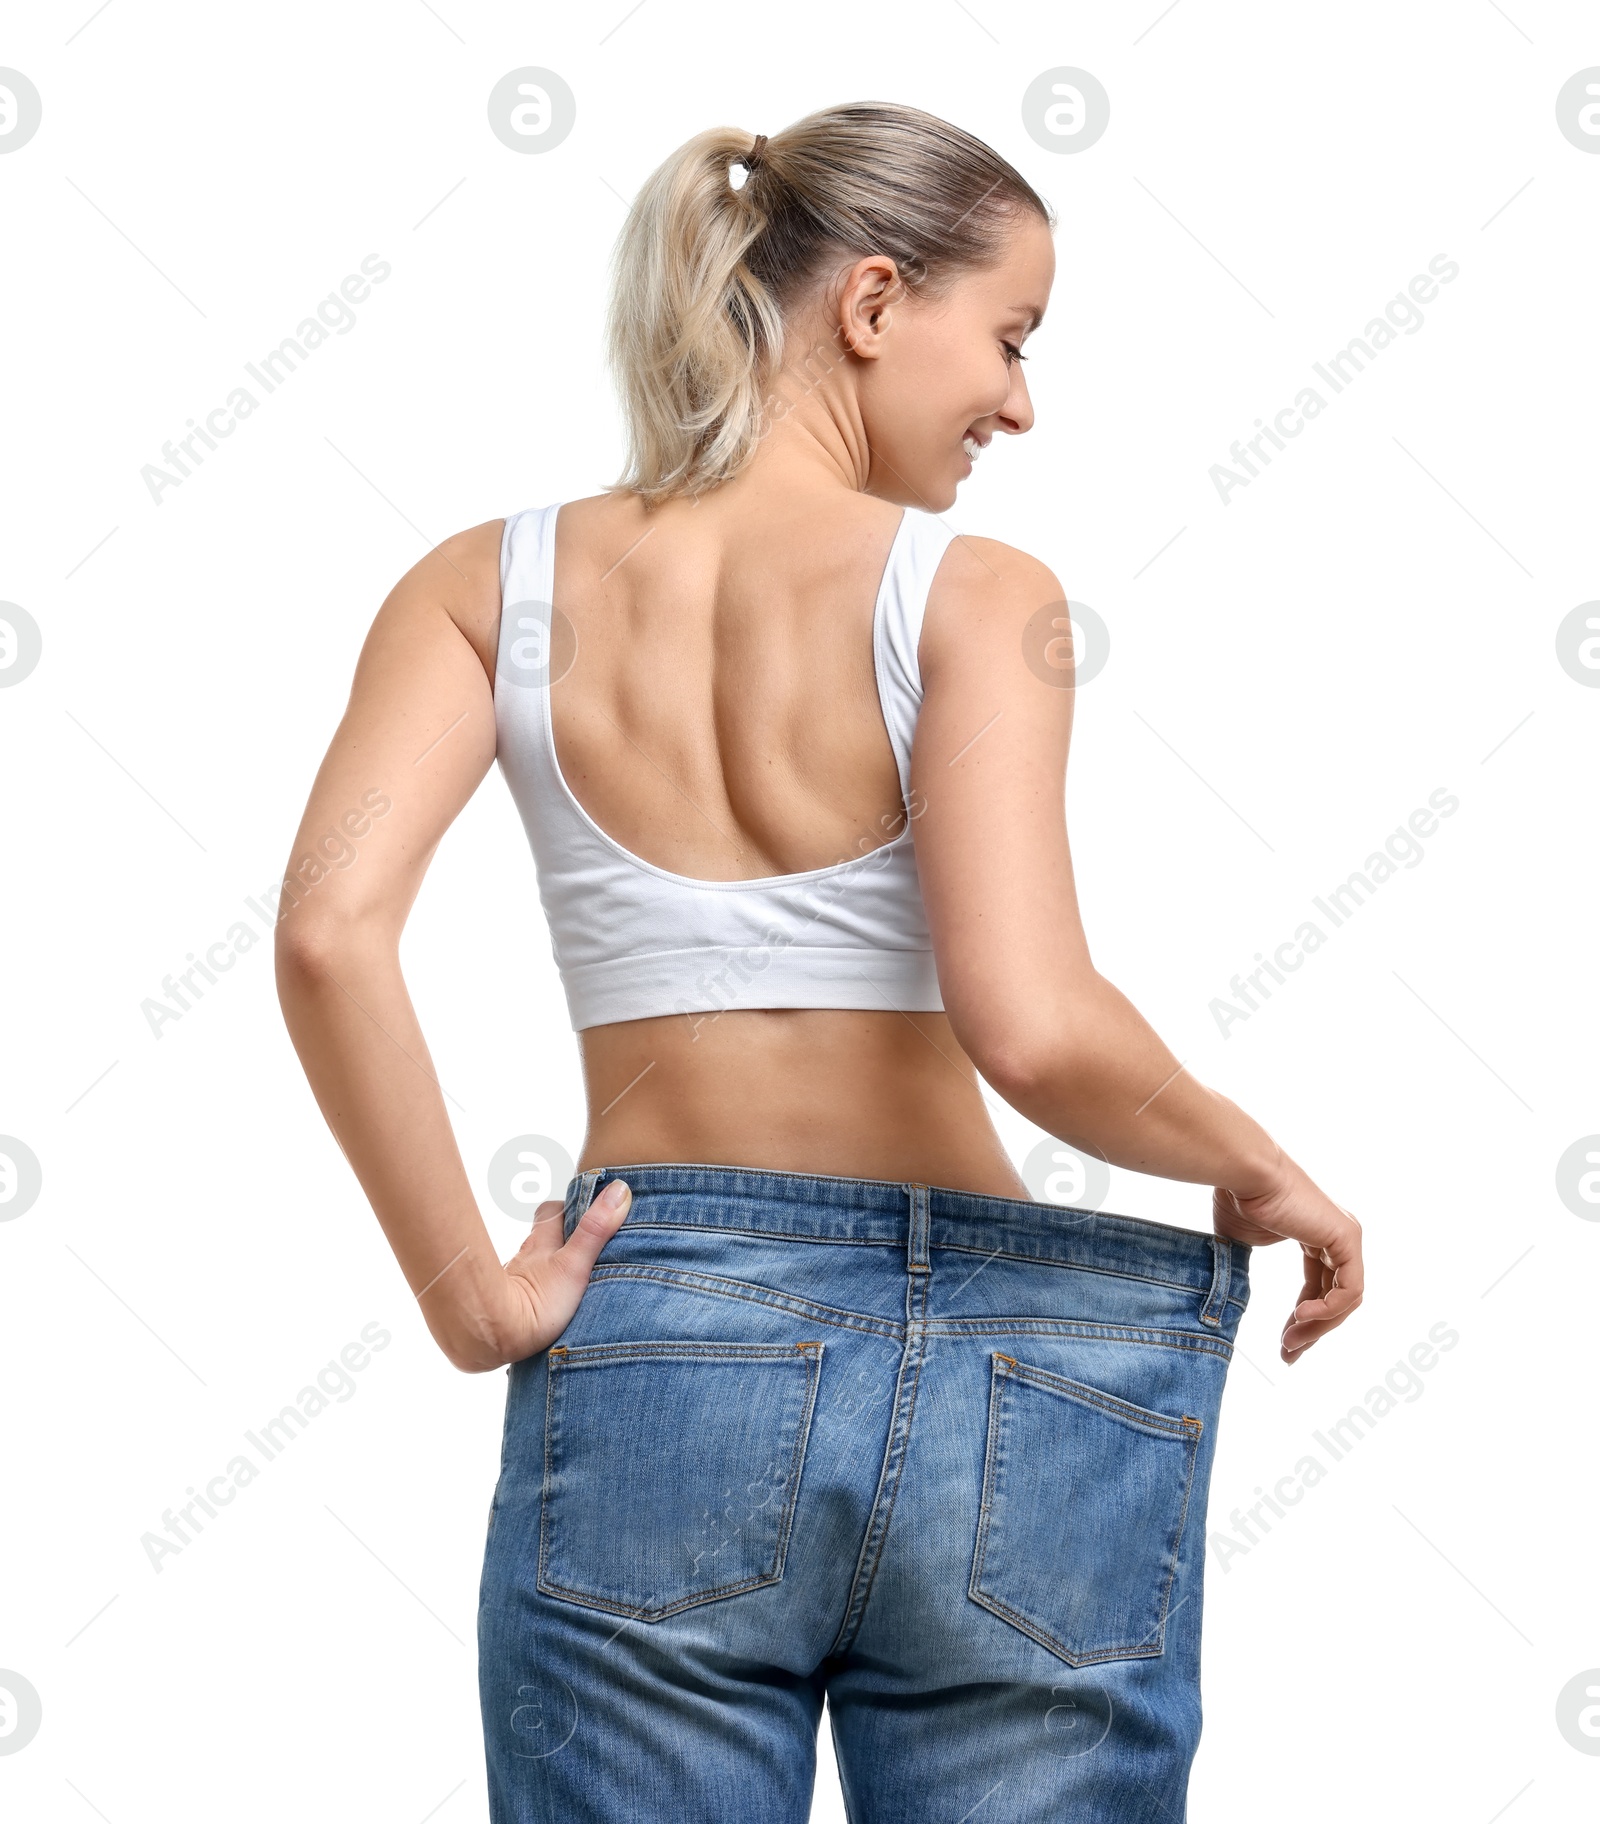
617,1195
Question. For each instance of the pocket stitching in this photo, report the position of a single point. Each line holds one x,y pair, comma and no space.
810,1354
1139,1417
1187,1430
748,1292
761,1352
1193,1342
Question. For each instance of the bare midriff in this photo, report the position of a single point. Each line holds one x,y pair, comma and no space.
836,1091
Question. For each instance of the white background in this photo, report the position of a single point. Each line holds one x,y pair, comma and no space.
1288,680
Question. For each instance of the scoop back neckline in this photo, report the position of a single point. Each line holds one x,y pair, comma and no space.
762,881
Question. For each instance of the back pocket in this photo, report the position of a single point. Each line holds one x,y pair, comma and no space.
1084,1497
671,1470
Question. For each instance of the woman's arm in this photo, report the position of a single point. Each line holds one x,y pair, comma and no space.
416,739
1054,1037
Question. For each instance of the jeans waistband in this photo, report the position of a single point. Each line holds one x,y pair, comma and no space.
806,1206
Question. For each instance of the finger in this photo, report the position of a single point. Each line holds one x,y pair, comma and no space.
544,1237
1301,1331
1334,1280
604,1216
1330,1306
1316,1276
1326,1299
1315,1279
1336,1304
1344,1254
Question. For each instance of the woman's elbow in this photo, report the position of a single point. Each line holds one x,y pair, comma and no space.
302,947
309,944
1017,1052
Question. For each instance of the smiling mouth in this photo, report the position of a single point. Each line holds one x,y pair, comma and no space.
973,448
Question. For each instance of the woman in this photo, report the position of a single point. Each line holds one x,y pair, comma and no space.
842,1412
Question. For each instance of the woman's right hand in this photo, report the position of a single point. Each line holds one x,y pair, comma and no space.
548,1275
1295,1209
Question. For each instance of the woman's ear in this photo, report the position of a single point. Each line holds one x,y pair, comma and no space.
871,288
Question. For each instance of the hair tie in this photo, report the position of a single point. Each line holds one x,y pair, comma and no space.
752,158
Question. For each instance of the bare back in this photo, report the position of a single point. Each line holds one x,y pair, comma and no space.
720,719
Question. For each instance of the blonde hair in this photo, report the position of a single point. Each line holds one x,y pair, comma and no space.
703,273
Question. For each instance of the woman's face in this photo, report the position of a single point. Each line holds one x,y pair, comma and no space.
936,380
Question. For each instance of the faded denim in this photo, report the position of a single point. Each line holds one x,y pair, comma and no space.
939,1458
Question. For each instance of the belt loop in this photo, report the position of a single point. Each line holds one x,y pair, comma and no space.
580,1194
1221,1277
917,1230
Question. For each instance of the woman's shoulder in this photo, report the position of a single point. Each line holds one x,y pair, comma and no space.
985,589
997,625
461,574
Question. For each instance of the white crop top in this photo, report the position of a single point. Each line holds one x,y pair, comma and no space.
633,941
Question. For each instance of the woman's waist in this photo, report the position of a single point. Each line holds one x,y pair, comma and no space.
837,1092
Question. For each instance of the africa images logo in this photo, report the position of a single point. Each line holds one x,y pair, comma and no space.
1402,848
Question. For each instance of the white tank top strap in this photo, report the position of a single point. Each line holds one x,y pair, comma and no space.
919,544
527,583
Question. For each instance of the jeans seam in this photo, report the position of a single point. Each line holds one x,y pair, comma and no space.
767,1234
673,1349
847,1632
584,1600
634,1224
708,1283
1140,1418
1046,1639
1216,1300
1071,1266
1187,1342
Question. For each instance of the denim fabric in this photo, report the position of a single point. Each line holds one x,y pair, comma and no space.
939,1458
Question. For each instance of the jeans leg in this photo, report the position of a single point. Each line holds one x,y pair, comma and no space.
1030,1649
592,1721
670,1549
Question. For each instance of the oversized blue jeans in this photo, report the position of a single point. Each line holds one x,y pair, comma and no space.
941,1458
